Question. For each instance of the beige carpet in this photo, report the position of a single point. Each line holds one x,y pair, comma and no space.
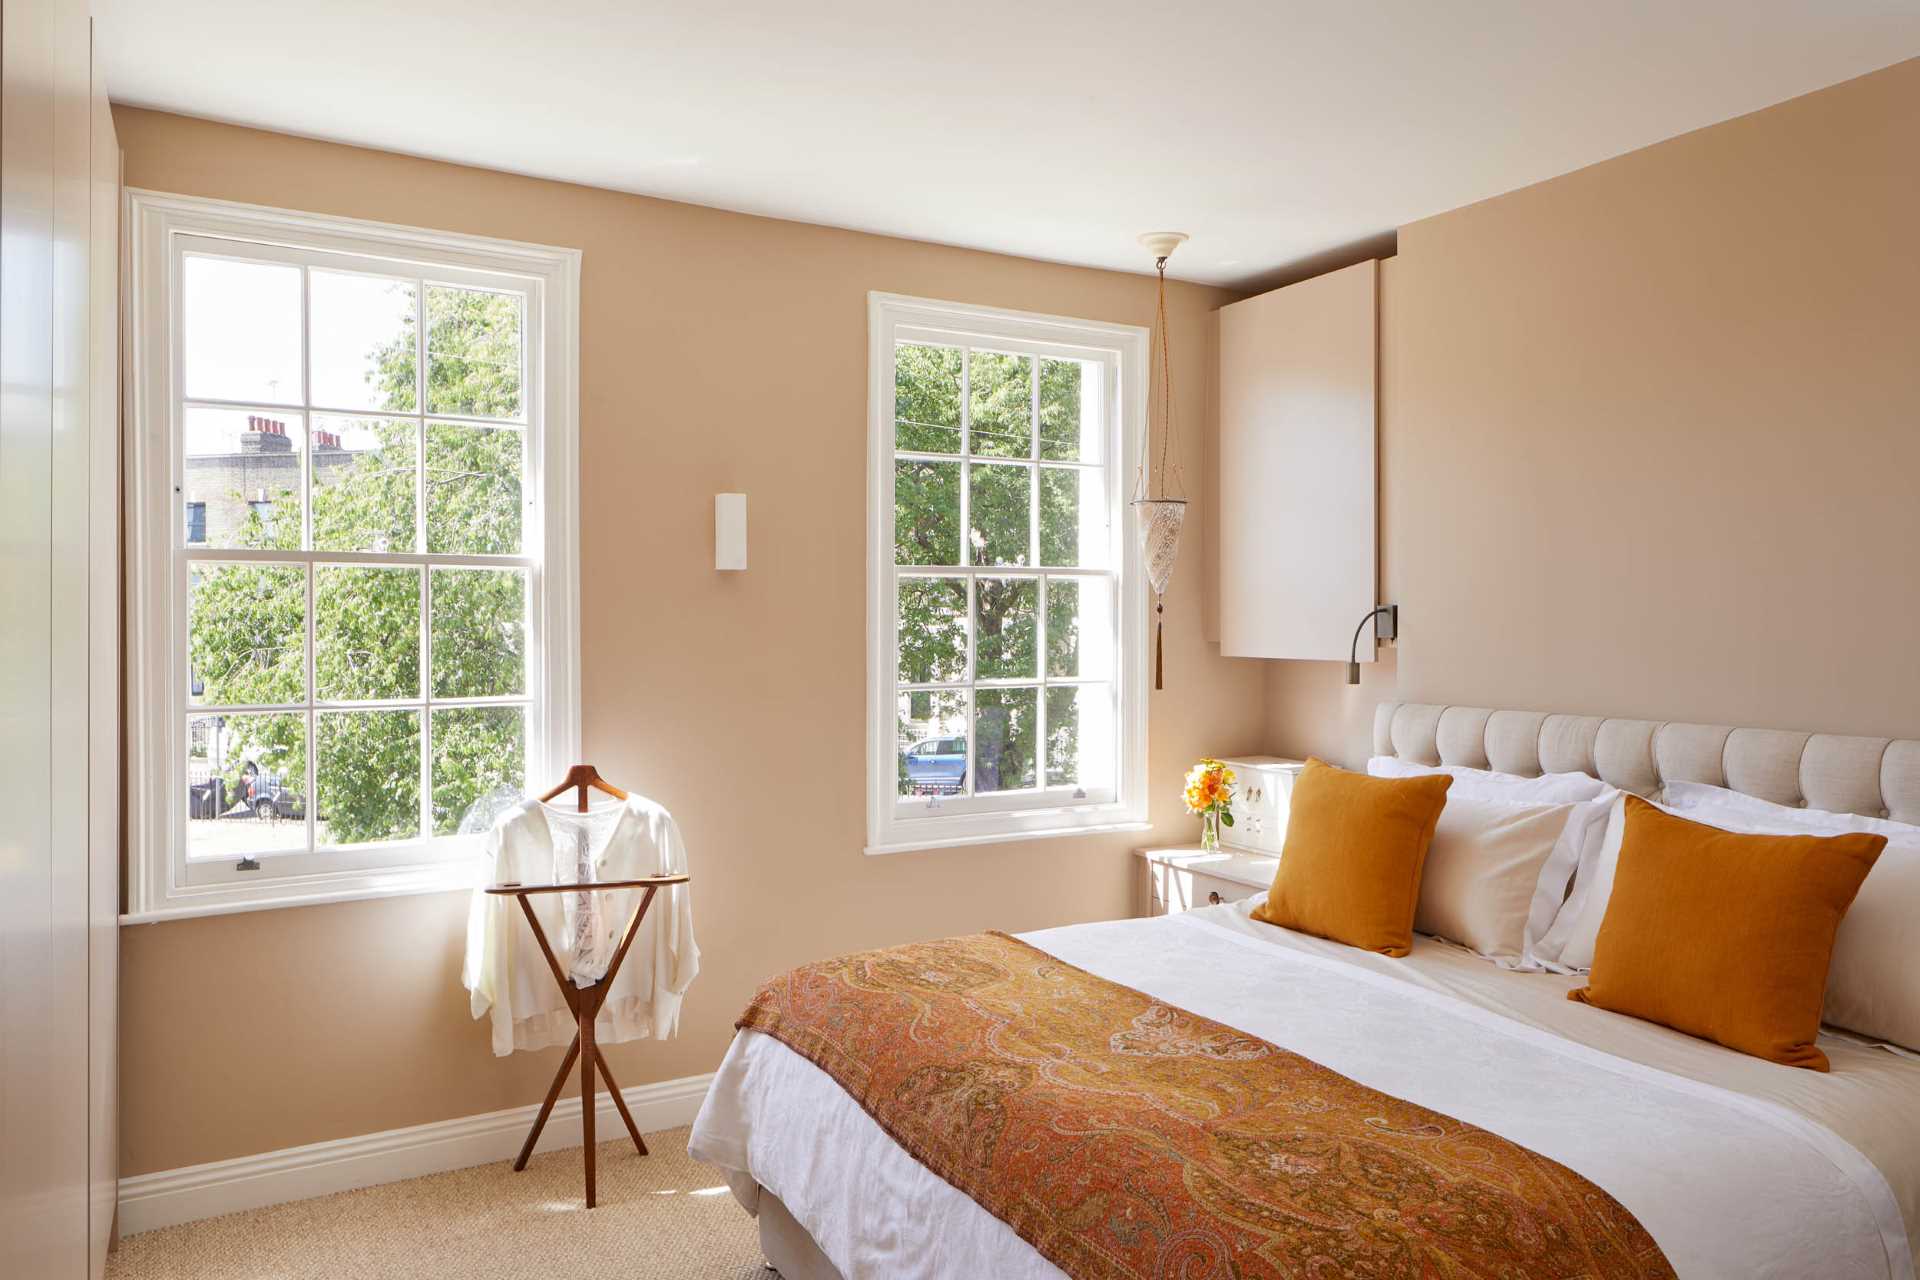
662,1218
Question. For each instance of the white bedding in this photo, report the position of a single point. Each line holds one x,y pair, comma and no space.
1738,1168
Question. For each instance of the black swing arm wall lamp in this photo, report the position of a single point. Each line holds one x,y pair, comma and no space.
1386,625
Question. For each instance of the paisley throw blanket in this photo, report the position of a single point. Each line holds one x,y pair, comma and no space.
1122,1137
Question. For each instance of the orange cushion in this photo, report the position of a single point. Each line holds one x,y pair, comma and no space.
1350,867
1725,936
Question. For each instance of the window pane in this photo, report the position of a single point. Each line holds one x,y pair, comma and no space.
246,634
473,489
246,784
241,469
362,342
1006,628
926,398
1069,411
1003,736
1073,517
1000,404
1000,515
478,752
473,352
1080,736
479,633
363,483
1079,628
366,632
368,776
933,630
241,338
933,743
926,512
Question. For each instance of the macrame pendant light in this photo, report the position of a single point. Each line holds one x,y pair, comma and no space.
1161,509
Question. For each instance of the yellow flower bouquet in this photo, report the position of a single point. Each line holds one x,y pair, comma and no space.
1209,793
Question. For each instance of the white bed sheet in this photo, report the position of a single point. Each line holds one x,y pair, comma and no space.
1739,1168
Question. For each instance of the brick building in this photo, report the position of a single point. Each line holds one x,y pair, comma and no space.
221,488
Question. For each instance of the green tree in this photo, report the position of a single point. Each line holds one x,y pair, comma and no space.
247,621
1001,396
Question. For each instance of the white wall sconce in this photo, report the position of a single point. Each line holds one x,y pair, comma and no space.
730,531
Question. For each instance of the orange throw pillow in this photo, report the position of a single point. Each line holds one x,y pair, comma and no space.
1350,867
1725,936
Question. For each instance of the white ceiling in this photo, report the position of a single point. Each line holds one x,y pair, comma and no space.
1272,130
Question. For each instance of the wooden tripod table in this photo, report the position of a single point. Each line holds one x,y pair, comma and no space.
585,1003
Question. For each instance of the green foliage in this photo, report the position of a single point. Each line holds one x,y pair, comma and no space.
473,489
1000,404
479,633
368,775
926,399
247,622
366,631
476,750
473,353
1060,410
368,506
1000,394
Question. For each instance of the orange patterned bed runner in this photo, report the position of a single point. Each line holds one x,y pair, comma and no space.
1123,1137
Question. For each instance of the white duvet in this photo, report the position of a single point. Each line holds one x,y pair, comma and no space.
1738,1168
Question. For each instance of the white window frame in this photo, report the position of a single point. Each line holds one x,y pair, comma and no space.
160,883
894,826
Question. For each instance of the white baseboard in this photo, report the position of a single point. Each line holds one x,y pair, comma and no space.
150,1200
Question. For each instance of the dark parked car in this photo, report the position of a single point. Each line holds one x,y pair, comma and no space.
259,794
264,797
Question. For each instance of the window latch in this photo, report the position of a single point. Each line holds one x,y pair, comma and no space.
247,864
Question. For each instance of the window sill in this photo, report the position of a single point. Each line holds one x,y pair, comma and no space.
450,877
1004,837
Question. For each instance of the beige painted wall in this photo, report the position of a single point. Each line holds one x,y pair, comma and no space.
719,352
1650,437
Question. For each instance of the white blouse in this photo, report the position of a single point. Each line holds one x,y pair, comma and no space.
535,843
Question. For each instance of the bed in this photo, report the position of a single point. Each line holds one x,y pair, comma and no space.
1734,1166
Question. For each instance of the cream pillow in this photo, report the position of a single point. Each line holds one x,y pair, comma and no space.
1483,873
1873,985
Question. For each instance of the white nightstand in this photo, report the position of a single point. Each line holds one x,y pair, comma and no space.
1184,878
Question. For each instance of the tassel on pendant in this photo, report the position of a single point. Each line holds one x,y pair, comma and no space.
1159,652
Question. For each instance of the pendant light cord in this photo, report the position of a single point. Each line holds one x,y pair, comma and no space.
1144,487
1166,378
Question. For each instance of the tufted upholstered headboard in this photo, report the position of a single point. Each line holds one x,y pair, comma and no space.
1877,777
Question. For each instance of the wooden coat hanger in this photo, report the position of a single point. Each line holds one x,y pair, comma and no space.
584,776
584,1002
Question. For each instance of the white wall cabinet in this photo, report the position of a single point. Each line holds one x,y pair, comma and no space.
1297,484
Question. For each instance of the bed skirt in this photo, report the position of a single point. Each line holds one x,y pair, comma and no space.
787,1246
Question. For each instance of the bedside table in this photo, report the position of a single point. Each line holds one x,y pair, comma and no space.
1181,879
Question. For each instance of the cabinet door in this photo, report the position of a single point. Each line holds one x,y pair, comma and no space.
1297,482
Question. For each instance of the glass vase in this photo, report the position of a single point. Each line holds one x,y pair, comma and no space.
1210,831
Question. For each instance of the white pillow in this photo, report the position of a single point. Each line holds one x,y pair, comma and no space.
1481,878
1873,986
1484,784
1567,946
1578,848
1714,803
